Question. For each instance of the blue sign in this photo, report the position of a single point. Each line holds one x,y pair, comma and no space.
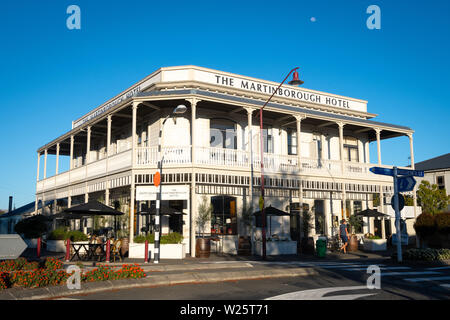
384,171
407,172
406,183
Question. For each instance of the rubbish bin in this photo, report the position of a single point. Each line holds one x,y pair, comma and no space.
321,248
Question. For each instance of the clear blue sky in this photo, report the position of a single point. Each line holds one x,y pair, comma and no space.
51,75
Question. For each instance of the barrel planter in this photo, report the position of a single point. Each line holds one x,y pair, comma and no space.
202,248
244,246
124,246
353,243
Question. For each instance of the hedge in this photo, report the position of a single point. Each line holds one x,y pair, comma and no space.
171,238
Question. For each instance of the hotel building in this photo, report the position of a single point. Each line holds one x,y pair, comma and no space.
316,153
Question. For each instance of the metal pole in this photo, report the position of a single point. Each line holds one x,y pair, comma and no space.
158,197
263,212
397,218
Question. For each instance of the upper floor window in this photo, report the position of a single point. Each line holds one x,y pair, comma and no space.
440,182
268,139
222,134
292,142
351,149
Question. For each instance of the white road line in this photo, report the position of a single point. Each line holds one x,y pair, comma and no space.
438,268
427,279
409,273
382,268
445,285
348,266
318,294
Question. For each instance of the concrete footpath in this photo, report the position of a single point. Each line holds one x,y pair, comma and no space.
217,268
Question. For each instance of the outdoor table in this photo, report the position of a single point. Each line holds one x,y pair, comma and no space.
90,249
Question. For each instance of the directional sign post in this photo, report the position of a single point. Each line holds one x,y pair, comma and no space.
11,246
403,181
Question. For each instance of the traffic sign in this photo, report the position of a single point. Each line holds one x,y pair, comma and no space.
383,171
401,202
157,179
407,172
406,183
11,246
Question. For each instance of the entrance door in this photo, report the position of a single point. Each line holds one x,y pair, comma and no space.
319,213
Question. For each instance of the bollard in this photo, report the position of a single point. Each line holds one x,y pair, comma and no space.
108,250
38,248
67,250
146,252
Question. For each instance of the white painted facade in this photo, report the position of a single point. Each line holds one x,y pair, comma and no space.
334,132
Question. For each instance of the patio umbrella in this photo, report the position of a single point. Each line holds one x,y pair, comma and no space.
271,211
371,213
90,209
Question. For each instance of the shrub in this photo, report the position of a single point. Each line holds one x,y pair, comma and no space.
425,224
4,280
10,265
58,234
426,254
32,265
171,238
33,227
443,222
76,236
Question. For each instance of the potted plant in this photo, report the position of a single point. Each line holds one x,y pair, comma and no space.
203,247
55,240
355,223
307,243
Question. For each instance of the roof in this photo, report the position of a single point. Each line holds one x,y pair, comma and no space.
441,162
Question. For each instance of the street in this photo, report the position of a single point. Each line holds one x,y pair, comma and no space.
335,281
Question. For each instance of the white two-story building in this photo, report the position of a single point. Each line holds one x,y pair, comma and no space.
316,152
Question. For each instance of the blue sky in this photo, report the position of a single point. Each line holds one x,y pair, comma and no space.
51,75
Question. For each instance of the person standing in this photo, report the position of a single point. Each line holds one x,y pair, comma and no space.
343,235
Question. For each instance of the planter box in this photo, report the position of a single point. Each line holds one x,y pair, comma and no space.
227,244
277,247
167,251
374,244
56,246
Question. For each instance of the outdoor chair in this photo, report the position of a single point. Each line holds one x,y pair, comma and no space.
115,250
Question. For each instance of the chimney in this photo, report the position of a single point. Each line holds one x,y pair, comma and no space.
10,204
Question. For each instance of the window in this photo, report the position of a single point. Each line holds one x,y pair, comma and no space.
222,134
440,182
224,218
292,142
351,149
268,139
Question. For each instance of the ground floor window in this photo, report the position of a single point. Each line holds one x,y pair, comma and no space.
224,218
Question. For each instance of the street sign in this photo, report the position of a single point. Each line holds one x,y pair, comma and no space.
401,202
407,172
11,246
406,183
157,179
383,171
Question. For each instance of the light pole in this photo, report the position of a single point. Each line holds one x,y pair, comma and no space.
178,110
295,81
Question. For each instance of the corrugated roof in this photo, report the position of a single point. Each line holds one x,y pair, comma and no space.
441,162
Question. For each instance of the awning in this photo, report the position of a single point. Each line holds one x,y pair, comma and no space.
271,211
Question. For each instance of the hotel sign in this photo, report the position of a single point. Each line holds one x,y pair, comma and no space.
168,192
293,93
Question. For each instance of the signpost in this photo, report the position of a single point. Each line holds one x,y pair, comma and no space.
403,182
11,246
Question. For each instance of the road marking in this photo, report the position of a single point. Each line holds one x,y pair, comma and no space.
427,279
318,294
445,285
438,268
382,268
348,266
408,273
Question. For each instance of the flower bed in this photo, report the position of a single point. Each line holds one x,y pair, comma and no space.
17,273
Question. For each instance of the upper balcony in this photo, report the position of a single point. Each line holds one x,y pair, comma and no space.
213,158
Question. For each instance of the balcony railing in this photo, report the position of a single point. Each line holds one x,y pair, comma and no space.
211,157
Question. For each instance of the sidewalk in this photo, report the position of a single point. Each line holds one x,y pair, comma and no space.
217,268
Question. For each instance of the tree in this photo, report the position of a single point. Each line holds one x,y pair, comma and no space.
432,199
203,214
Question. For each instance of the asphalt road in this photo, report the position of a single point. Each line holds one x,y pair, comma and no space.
336,281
